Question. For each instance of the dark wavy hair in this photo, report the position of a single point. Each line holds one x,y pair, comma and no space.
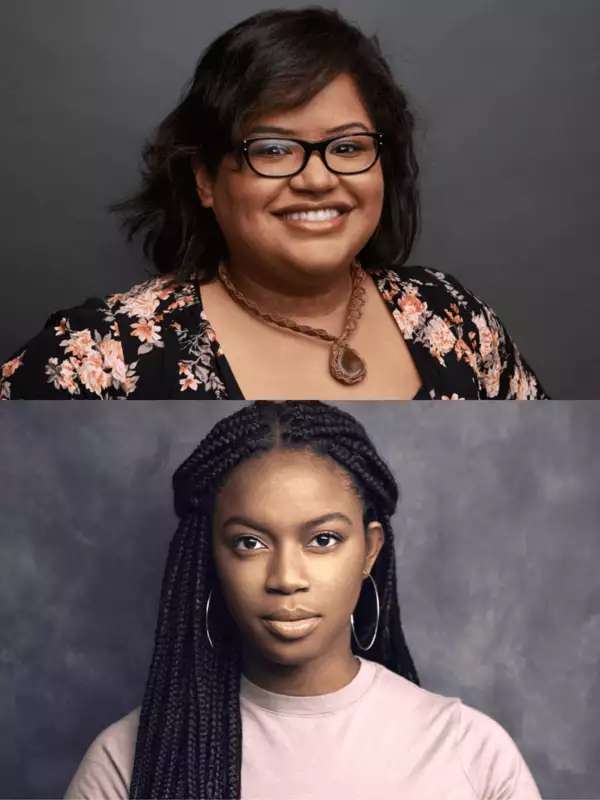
274,60
189,736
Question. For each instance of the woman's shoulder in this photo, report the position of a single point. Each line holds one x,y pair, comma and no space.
439,290
118,738
77,352
435,308
138,311
486,752
94,350
423,707
418,703
490,757
107,766
457,329
158,296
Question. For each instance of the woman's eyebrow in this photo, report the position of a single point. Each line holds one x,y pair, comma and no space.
289,132
236,519
331,516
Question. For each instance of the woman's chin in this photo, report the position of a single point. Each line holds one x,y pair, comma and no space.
318,261
291,653
290,657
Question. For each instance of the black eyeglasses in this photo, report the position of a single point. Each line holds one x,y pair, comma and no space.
281,158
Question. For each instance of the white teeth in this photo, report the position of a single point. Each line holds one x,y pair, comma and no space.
314,216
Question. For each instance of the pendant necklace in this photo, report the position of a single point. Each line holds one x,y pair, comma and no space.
345,364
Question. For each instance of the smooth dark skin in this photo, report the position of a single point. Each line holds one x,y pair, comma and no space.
279,495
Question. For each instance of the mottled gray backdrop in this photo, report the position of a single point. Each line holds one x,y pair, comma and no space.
498,555
506,94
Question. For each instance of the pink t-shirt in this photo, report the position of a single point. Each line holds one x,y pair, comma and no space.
378,736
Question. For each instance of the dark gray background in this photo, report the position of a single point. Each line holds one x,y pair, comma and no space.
498,553
505,92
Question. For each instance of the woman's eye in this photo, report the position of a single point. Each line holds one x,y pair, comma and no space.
251,541
347,148
271,149
326,540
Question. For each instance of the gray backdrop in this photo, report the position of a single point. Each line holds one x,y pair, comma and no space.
505,92
498,553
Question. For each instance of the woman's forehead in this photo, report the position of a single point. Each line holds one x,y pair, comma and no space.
336,107
288,496
286,473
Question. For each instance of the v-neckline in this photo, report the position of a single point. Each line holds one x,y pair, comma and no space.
234,391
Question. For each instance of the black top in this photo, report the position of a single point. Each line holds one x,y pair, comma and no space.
154,342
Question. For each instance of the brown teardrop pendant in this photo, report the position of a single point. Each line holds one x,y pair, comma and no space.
345,365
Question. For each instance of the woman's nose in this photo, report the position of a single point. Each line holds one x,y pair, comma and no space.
287,572
315,175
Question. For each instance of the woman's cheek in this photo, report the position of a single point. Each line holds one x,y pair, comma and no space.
340,592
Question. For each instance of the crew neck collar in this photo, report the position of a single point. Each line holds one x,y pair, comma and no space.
311,704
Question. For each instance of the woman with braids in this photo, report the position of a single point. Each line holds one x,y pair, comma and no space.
280,668
280,205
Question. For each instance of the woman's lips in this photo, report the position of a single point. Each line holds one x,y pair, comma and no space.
293,629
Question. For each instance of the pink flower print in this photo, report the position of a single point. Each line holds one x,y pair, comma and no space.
453,314
180,302
10,367
80,344
522,385
491,377
112,358
63,327
141,305
409,315
129,382
439,338
93,375
189,382
148,333
464,352
166,291
488,338
63,375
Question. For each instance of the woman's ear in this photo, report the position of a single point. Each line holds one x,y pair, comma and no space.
375,539
204,184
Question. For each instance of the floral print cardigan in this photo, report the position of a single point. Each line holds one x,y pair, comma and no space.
155,342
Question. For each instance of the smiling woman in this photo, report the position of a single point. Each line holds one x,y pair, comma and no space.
279,579
280,205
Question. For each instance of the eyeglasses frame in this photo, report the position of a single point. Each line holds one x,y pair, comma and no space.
309,148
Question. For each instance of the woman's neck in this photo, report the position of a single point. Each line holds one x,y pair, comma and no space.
320,675
305,296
